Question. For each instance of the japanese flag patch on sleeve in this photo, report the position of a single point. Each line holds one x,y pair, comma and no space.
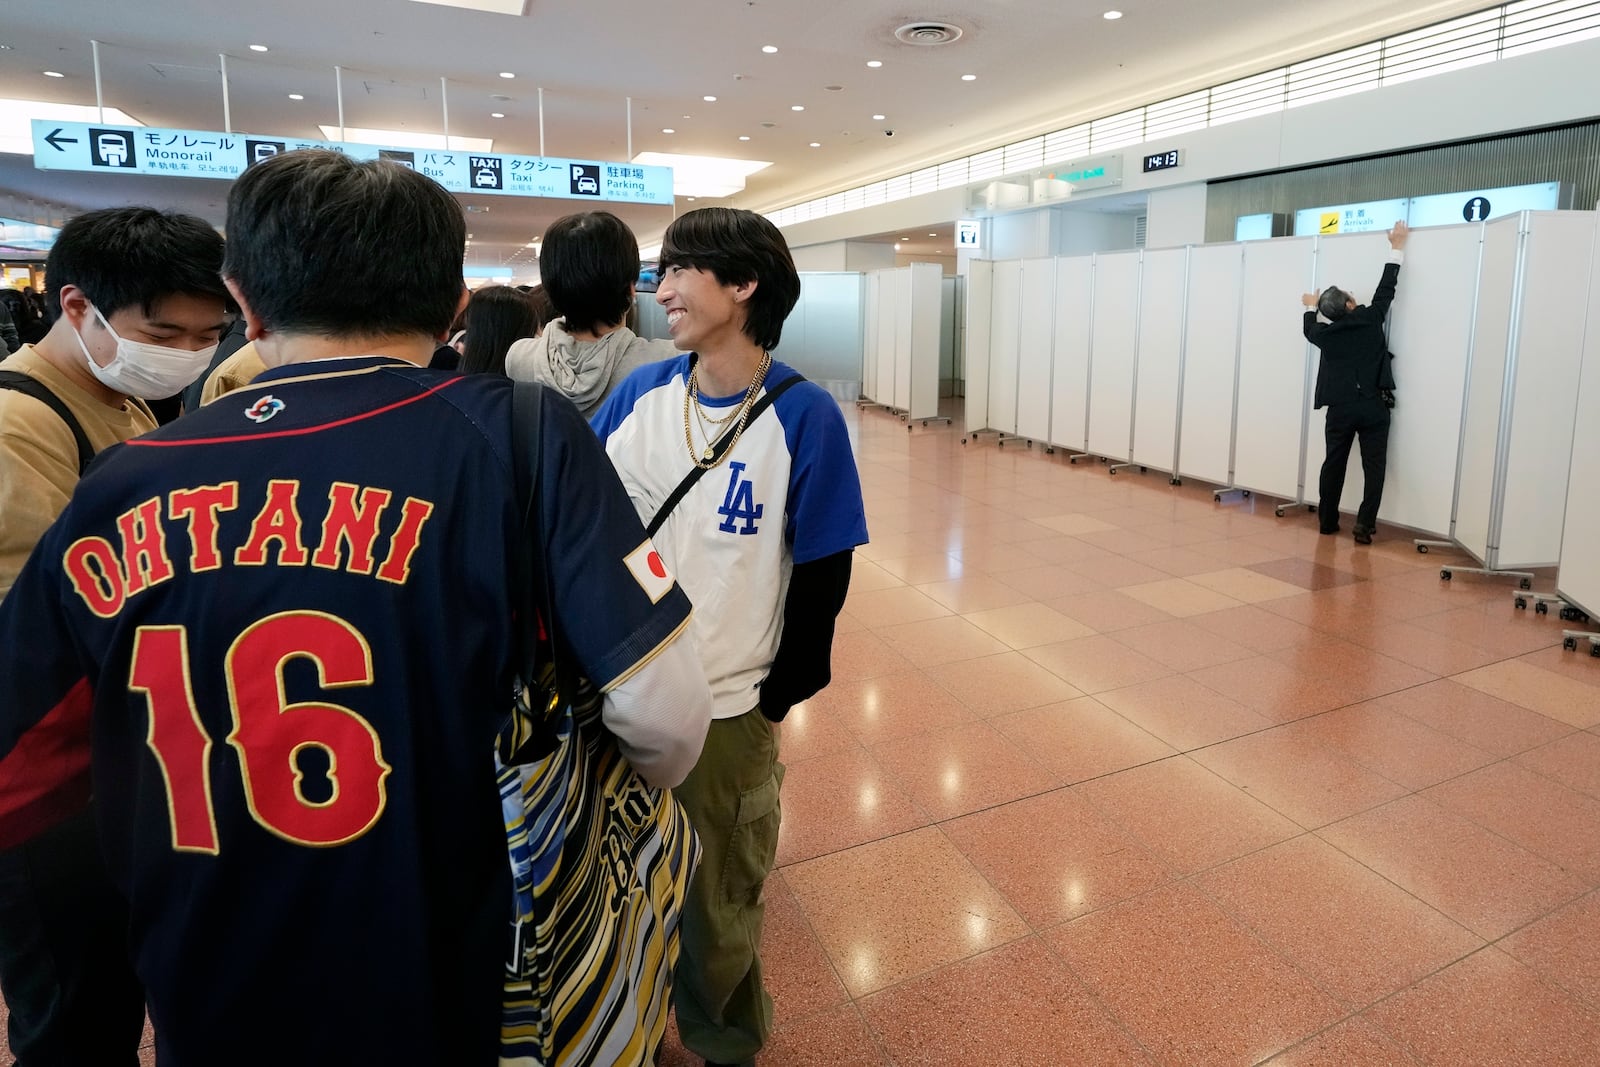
650,571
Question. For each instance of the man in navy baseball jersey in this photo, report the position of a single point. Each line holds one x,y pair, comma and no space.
286,621
763,544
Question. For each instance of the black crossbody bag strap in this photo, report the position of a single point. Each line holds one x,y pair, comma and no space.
29,386
697,472
533,736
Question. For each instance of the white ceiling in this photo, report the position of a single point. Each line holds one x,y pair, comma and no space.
1040,65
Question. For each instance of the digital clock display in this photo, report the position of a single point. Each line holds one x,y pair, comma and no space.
1164,160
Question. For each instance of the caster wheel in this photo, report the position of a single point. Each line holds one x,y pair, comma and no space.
1541,608
1525,584
1594,651
1072,460
908,428
1278,512
963,440
1521,603
1000,444
1245,493
1049,451
1144,470
1445,575
1311,508
1571,644
1422,549
1175,481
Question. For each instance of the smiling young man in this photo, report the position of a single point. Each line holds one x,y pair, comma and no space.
138,303
762,543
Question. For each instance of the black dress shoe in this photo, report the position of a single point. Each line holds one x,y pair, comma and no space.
1363,535
1329,531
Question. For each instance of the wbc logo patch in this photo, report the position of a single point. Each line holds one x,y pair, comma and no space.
650,571
263,409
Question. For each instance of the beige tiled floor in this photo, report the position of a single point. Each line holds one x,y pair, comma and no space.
1112,773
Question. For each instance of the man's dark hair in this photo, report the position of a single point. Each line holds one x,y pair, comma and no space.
738,246
497,315
588,264
323,244
123,257
1333,303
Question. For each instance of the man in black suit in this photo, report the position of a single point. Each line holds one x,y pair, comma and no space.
1356,385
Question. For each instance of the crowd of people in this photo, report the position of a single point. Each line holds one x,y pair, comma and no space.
262,660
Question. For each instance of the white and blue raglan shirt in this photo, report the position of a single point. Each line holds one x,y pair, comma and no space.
788,494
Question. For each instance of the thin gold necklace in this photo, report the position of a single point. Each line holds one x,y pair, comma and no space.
708,458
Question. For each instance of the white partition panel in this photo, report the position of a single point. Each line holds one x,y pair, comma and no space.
1354,262
1491,336
1273,364
822,335
975,346
1034,319
1160,360
1578,581
1555,287
891,310
1430,332
1004,336
1112,354
925,286
1074,315
904,320
869,341
1211,354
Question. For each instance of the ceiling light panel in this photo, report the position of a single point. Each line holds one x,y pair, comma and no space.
703,175
494,7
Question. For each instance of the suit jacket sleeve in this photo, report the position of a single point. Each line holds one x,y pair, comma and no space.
1385,294
1309,326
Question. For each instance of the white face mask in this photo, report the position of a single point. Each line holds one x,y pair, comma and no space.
149,372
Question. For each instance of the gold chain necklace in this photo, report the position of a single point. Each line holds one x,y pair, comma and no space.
708,458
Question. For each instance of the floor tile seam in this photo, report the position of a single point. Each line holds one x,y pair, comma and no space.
1591,1003
1267,943
1591,880
1353,1016
1550,777
850,848
1053,776
1415,1054
1469,744
1353,758
1318,833
1094,995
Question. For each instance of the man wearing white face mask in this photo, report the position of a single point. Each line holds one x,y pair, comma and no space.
138,305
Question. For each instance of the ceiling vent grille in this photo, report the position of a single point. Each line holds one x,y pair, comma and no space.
928,34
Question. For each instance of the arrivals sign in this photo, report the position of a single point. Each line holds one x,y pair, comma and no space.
208,154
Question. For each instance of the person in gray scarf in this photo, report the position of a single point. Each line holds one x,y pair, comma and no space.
588,264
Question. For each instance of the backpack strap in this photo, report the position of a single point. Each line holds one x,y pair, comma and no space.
28,385
697,472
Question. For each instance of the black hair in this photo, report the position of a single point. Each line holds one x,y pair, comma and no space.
543,309
588,264
496,316
739,246
323,244
1334,303
123,257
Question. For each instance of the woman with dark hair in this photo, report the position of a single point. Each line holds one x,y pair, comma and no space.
497,315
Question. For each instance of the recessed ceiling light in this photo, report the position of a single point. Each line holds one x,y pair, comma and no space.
1112,15
690,199
709,99
877,118
507,74
769,48
874,63
668,129
296,96
816,144
258,48
933,235
905,238
897,246
797,107
834,88
54,74
744,137
969,77
497,114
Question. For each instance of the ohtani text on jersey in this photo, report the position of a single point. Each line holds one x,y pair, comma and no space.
359,523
